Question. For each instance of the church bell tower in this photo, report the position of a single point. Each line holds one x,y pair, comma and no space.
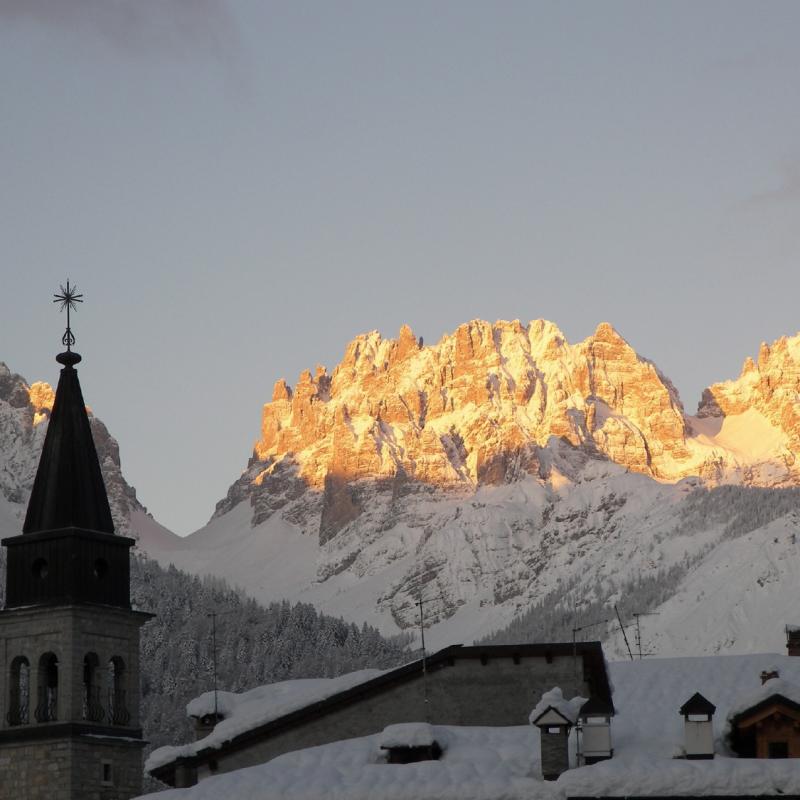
69,640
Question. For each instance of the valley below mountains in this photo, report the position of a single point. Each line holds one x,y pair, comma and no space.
519,484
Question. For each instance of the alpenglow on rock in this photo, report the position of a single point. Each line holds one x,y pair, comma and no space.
500,468
472,410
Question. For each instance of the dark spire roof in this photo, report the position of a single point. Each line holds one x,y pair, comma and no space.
697,704
68,491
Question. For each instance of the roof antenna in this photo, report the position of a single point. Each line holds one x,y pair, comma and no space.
637,615
622,628
420,602
213,616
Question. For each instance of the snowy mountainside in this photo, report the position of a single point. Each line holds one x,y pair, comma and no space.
499,470
736,599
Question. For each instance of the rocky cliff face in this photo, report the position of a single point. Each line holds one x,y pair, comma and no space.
479,407
475,409
486,469
770,385
24,415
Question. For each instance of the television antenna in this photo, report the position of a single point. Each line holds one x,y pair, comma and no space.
637,616
212,615
420,603
624,634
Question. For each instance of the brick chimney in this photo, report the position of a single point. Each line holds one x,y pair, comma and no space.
768,675
793,640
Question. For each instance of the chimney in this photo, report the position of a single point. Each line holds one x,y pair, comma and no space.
204,725
698,713
768,675
554,717
793,640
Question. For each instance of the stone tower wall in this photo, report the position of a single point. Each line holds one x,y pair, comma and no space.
70,768
70,632
63,759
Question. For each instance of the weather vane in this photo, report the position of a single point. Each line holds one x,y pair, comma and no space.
67,299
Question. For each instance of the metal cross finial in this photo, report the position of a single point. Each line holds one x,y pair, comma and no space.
67,299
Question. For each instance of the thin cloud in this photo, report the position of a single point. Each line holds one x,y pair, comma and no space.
173,27
787,191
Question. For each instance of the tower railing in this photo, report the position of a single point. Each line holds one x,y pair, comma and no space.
47,710
118,713
18,708
92,707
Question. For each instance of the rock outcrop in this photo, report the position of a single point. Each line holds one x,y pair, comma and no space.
770,385
498,466
485,405
473,409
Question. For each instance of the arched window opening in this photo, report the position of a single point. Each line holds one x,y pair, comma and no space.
47,708
92,707
118,713
19,692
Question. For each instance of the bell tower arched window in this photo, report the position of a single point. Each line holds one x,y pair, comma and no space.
118,713
19,694
47,700
92,707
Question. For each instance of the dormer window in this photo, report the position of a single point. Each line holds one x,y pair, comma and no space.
409,742
767,724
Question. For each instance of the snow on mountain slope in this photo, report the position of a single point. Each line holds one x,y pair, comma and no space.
735,600
498,470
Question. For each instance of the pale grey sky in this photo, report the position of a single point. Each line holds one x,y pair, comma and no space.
240,187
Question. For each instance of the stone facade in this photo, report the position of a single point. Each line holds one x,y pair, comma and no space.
48,753
69,768
555,753
71,633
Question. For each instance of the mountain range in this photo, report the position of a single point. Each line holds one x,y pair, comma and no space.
503,475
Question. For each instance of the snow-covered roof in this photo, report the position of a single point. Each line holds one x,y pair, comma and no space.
503,763
266,705
784,688
569,709
407,734
248,710
476,764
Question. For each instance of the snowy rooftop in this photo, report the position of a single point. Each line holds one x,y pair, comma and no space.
787,689
245,711
407,734
503,763
569,709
